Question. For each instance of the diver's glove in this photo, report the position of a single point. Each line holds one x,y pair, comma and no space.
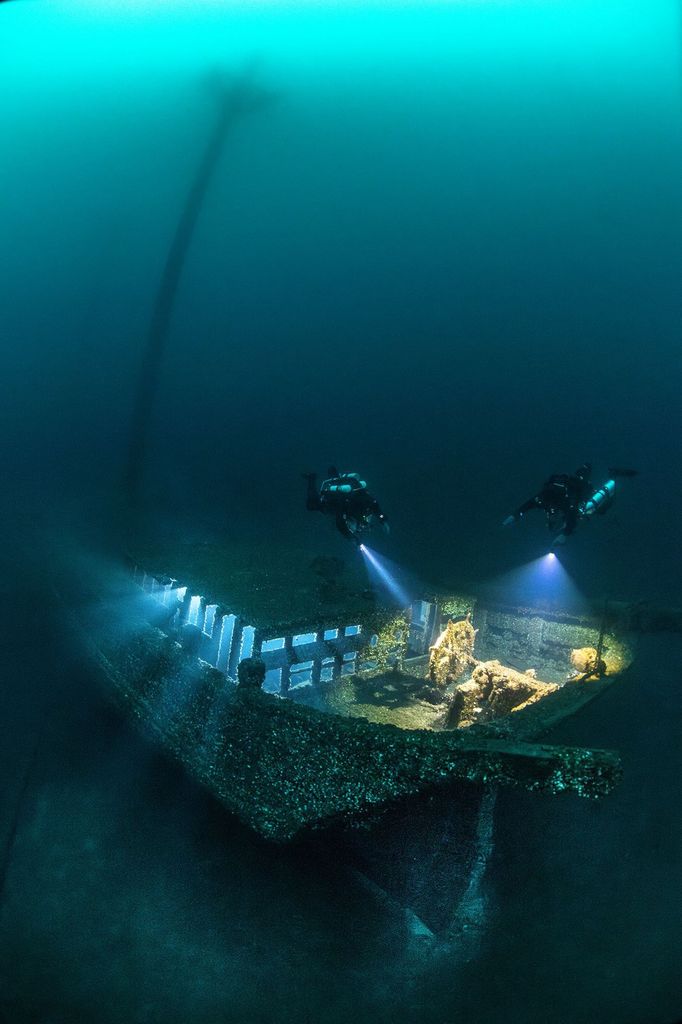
509,521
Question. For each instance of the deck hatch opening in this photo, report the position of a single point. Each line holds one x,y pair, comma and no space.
194,610
248,637
225,642
273,680
301,666
276,644
300,680
209,620
304,638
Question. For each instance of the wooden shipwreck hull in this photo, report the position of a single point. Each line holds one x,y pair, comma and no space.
285,768
410,809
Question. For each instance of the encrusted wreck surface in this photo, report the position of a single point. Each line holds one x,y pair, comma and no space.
453,652
497,690
283,768
389,697
587,661
290,587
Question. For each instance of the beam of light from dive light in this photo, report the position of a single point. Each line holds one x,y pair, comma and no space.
380,574
543,582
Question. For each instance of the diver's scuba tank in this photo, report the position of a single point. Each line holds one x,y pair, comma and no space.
344,483
597,504
336,488
600,501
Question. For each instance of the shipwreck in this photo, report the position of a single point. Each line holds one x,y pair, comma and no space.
305,703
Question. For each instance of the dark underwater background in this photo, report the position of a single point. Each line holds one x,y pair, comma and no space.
446,252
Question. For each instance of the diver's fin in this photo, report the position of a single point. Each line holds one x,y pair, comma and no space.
619,471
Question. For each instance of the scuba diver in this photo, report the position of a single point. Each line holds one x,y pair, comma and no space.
345,497
567,498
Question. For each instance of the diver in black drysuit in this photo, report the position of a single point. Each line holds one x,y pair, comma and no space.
345,497
566,499
561,498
